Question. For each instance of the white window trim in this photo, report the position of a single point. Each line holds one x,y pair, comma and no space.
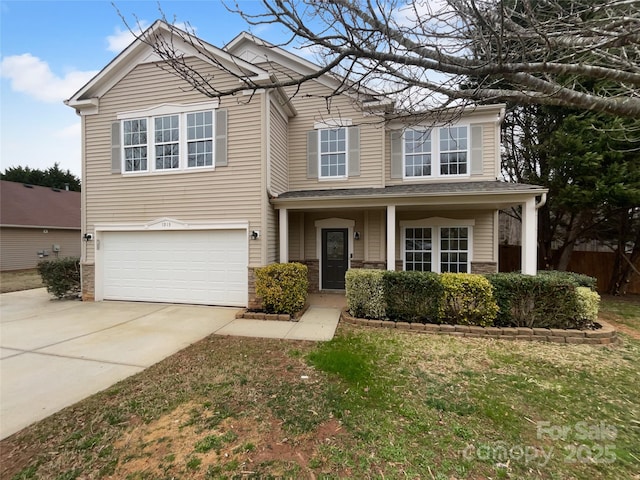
435,154
346,154
167,109
435,224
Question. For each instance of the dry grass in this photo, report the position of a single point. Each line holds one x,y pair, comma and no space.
372,403
19,280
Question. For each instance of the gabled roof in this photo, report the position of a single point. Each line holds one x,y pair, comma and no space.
140,51
256,50
38,207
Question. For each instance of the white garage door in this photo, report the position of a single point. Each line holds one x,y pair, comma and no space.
203,267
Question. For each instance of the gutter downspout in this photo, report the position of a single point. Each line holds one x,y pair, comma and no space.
542,202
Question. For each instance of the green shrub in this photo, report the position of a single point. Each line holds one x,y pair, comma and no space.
578,279
413,296
468,300
61,276
540,301
365,293
588,304
282,287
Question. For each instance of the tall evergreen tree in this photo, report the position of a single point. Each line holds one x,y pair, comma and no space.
51,177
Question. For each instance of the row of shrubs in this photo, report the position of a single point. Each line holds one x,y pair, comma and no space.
547,300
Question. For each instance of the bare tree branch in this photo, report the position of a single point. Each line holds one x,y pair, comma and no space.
579,54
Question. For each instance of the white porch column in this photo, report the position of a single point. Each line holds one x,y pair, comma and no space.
391,237
284,235
529,237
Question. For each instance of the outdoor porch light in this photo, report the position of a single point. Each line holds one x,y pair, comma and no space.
356,235
255,234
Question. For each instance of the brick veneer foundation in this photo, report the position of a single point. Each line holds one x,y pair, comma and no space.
606,335
87,278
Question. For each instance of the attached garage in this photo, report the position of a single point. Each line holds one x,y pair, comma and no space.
206,267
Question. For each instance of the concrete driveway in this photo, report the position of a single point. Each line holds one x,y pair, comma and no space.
54,353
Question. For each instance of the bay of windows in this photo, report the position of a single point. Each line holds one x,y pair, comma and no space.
436,152
437,249
174,142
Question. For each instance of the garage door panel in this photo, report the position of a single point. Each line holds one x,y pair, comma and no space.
204,267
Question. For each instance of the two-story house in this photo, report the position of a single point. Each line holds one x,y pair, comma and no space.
184,195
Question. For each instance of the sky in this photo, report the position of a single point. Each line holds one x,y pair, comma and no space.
50,49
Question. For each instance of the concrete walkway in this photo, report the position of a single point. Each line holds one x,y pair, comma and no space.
54,353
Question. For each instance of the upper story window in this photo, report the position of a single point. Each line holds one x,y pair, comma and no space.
200,139
417,148
453,150
170,138
135,145
167,142
333,152
435,153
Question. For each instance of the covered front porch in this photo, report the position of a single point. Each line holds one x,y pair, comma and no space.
432,227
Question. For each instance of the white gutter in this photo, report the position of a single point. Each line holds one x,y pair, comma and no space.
542,201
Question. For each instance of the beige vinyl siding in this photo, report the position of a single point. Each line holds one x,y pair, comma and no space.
482,230
20,246
489,159
374,234
279,151
312,107
295,221
272,237
228,193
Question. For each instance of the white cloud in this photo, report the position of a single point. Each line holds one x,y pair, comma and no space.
70,131
33,76
121,38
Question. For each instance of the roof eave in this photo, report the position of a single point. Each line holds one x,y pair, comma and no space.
392,198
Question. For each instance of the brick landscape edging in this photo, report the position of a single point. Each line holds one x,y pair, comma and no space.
248,314
606,335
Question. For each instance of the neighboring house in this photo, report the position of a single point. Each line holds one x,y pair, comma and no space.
37,223
186,195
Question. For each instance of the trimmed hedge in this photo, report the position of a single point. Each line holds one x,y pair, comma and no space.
468,300
578,279
61,276
588,304
413,296
550,300
365,293
541,301
282,287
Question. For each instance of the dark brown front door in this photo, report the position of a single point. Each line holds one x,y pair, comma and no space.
335,260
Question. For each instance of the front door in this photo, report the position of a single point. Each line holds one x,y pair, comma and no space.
335,257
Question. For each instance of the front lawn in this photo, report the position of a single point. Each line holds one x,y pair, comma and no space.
622,311
372,403
17,280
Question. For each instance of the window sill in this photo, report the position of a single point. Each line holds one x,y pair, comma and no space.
175,171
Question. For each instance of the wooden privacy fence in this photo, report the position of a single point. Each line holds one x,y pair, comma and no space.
594,264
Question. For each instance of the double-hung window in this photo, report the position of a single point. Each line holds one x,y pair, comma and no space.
333,152
167,142
200,139
439,152
170,138
417,153
135,145
453,150
436,248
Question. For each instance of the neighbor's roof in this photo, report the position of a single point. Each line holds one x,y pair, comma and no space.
41,207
